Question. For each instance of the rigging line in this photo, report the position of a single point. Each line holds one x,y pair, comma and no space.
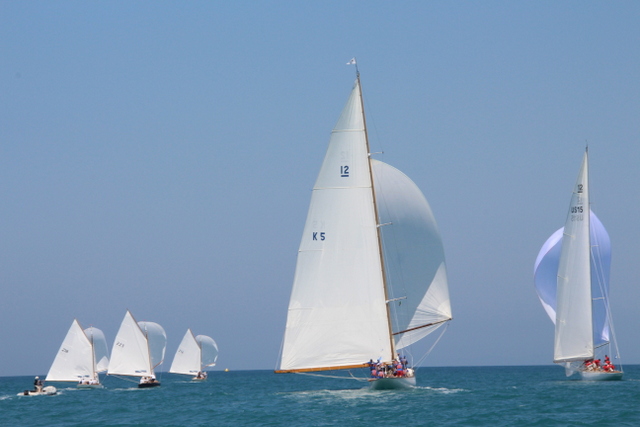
446,325
596,256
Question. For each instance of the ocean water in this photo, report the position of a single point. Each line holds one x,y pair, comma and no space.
456,396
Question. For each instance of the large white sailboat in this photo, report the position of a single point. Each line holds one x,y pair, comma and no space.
194,355
370,277
138,350
572,280
82,356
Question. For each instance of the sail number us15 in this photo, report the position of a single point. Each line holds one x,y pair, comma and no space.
577,213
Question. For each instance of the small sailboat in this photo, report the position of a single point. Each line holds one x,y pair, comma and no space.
370,277
138,350
82,356
571,275
194,355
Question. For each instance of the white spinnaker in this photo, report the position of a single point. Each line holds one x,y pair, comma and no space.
208,350
187,358
413,254
546,276
574,327
100,349
156,340
130,353
337,315
74,359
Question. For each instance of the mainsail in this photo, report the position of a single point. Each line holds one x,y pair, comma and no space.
74,360
574,327
338,316
546,276
194,354
138,348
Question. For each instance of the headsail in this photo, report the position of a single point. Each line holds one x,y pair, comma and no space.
187,358
208,351
100,349
574,327
337,315
414,256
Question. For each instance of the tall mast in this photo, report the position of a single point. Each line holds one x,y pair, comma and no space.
93,356
375,209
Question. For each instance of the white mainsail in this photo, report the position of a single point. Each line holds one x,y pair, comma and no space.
194,354
546,277
75,359
574,327
338,316
138,348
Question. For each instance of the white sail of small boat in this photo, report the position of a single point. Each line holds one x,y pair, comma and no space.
370,276
194,355
138,350
571,275
82,356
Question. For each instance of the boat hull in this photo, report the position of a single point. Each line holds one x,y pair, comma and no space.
149,385
46,391
403,383
89,386
600,376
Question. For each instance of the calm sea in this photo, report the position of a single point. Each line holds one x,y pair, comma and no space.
461,396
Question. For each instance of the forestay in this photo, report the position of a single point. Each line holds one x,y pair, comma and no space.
413,256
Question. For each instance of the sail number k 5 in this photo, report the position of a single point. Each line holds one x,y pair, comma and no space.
318,235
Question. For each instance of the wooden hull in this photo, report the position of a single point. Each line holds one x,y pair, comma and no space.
403,383
600,376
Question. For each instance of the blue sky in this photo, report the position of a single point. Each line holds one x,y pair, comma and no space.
159,157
